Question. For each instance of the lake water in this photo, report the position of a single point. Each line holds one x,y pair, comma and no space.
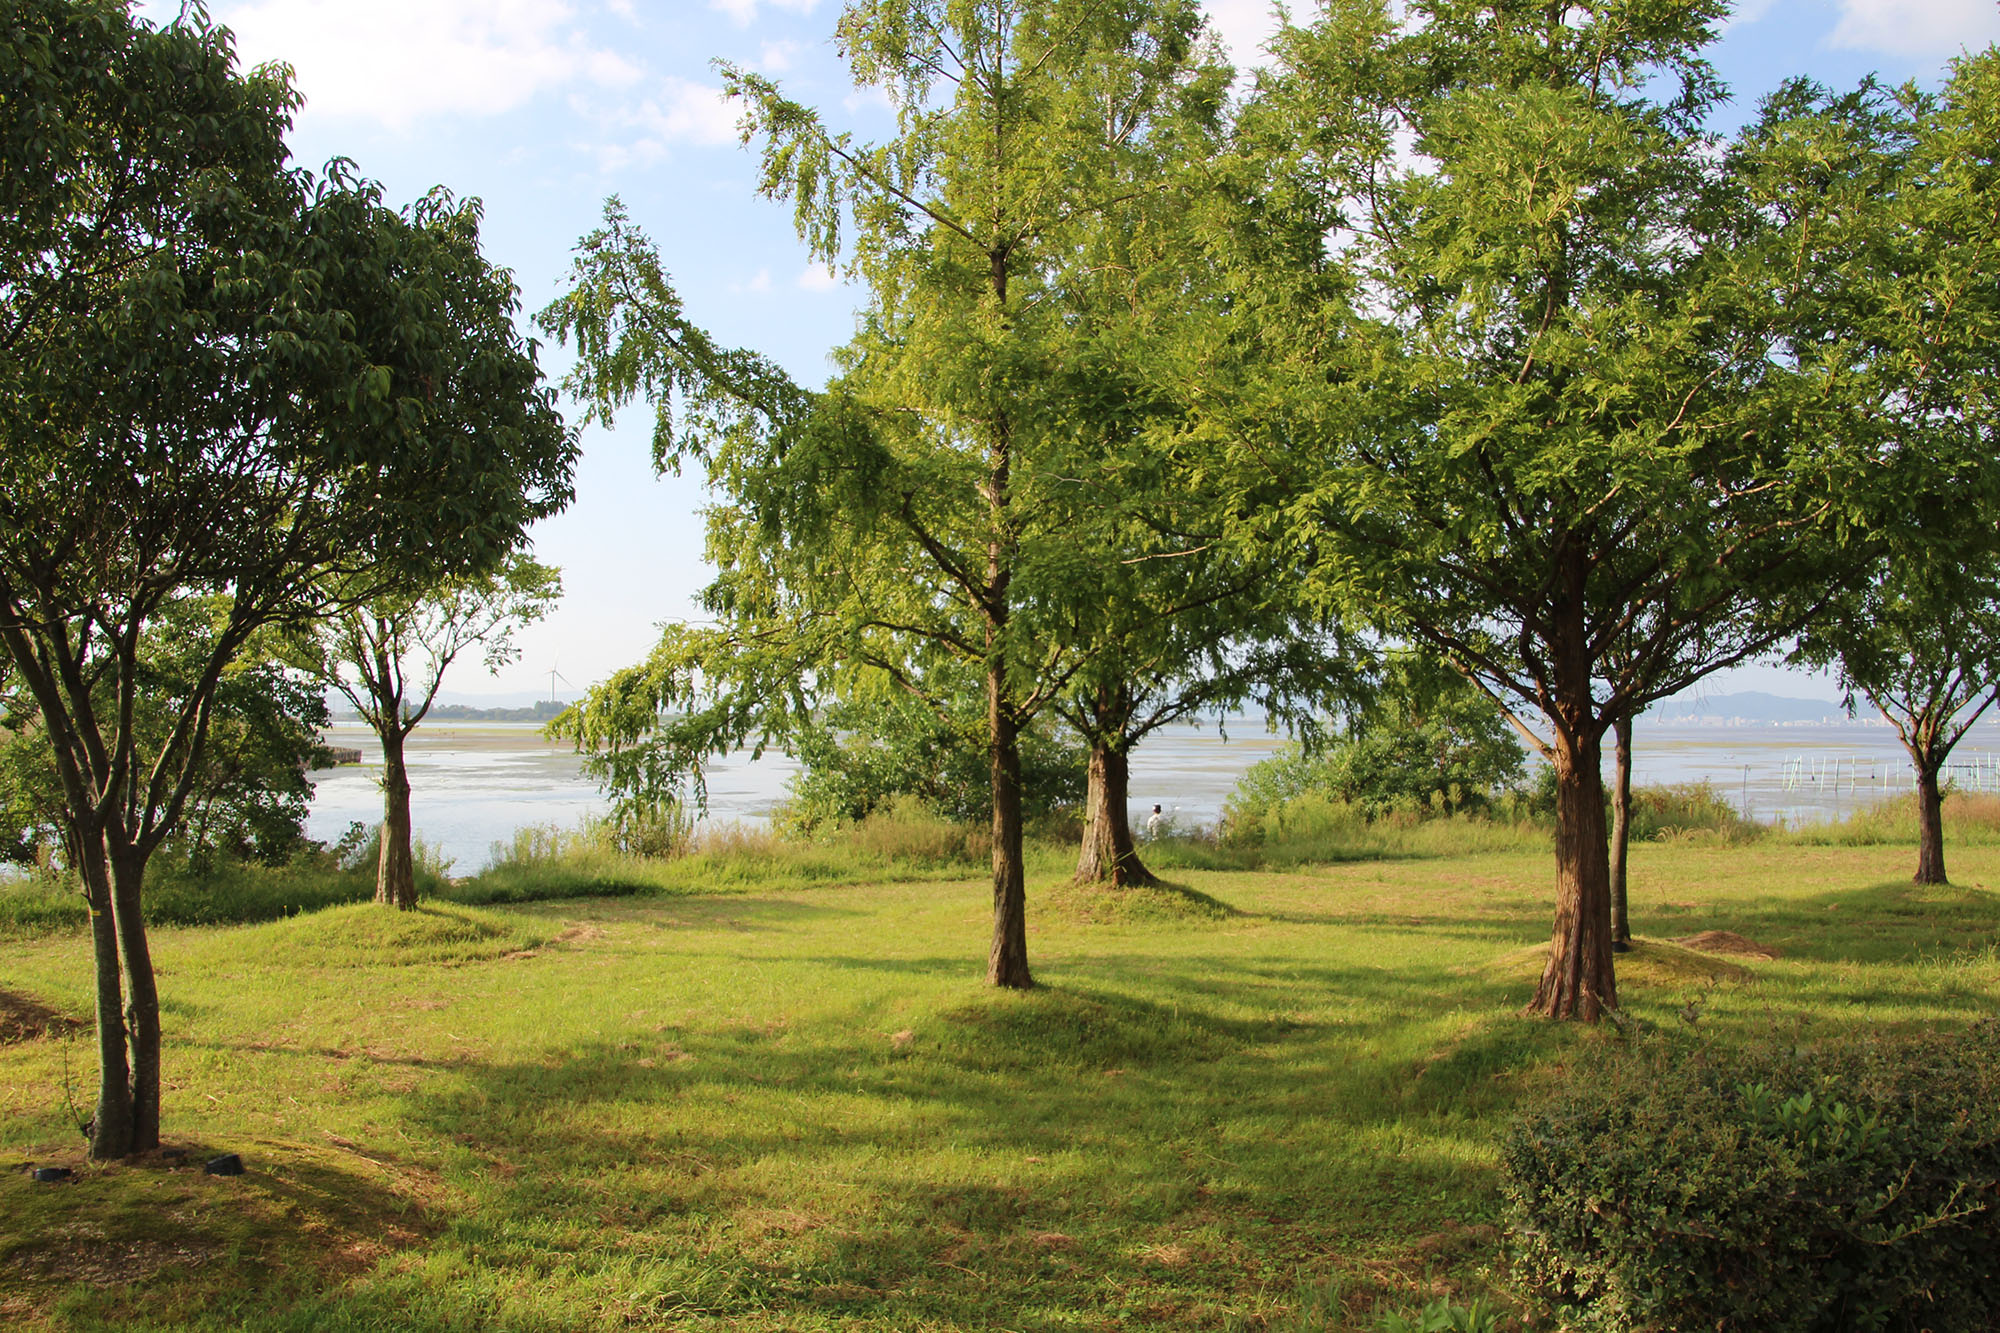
473,784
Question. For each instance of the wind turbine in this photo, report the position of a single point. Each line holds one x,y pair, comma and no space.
554,676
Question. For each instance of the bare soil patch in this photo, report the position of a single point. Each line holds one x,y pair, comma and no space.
1725,942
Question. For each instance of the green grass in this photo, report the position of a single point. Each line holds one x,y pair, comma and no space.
1255,1101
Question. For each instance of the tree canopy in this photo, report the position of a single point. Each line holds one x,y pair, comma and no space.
1529,359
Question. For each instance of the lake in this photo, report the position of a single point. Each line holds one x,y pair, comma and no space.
473,784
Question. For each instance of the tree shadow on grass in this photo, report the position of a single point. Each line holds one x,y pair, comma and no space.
1074,1156
1895,921
155,1242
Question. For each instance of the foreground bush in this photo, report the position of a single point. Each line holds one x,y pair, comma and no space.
1783,1189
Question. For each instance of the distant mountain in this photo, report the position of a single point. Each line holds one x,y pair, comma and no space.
1751,708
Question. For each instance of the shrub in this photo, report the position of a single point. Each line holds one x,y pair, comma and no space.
1776,1189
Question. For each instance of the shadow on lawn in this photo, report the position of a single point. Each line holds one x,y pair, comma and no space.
1020,1160
1895,921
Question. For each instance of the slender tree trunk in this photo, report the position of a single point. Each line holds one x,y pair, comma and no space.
1007,963
1930,822
111,1126
395,873
1621,834
1109,855
142,1006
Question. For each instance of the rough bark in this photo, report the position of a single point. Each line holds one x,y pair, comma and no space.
1930,824
1578,981
1007,962
1621,834
395,872
1109,855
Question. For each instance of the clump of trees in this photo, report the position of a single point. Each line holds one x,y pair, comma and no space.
1466,328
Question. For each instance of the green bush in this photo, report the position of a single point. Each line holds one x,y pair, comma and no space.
868,753
1689,810
1782,1188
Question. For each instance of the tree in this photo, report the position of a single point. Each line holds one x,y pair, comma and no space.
397,650
225,379
1906,318
917,510
1922,645
1524,364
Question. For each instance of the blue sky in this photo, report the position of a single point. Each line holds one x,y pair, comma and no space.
541,108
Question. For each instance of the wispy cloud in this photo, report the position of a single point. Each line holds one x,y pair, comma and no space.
818,278
1916,27
397,62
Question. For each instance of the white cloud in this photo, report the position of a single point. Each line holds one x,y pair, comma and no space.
758,285
1244,26
688,112
744,12
397,61
818,278
642,133
1916,27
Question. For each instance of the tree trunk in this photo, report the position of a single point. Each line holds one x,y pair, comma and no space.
142,1005
111,1126
1930,824
1109,856
1578,981
395,874
1621,834
1007,963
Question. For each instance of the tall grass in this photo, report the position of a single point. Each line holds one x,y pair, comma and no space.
905,841
1970,818
179,895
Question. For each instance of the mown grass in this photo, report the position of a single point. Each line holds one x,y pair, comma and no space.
1258,1101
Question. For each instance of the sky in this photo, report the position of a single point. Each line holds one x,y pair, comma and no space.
542,108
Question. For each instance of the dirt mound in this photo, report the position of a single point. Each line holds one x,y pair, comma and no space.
21,1019
1725,942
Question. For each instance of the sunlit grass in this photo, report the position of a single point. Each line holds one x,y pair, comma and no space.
1262,1100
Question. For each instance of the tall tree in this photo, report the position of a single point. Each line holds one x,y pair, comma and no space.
218,377
922,506
1906,318
388,658
1525,374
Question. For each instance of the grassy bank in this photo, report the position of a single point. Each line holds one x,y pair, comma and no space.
1270,1106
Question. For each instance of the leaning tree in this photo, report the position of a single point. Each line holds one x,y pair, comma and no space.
219,376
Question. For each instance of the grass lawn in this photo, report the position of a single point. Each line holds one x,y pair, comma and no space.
1272,1104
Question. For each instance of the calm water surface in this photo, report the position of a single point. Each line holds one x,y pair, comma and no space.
473,784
